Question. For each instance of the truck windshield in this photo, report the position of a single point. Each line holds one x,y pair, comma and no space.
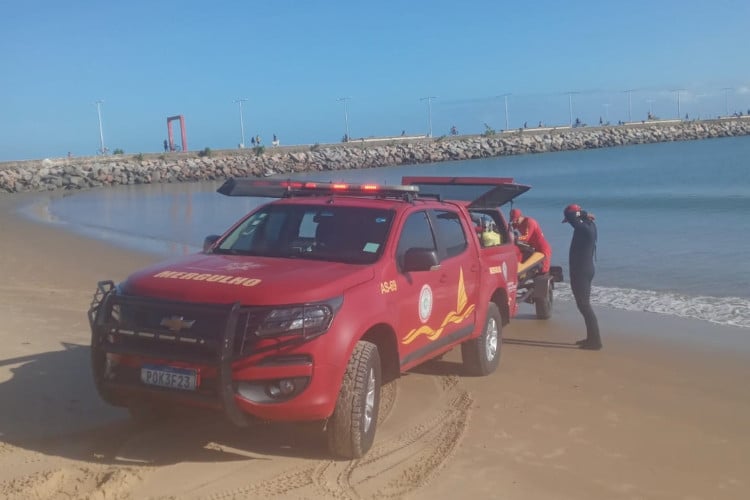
352,235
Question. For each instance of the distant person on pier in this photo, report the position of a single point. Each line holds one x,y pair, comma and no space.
166,145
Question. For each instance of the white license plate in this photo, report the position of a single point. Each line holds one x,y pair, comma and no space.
170,376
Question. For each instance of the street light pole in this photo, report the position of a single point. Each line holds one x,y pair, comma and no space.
101,130
570,104
429,110
242,123
726,100
630,107
677,91
346,114
507,127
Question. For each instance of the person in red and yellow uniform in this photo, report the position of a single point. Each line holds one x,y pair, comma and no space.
530,233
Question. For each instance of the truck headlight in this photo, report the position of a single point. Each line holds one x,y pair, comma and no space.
309,320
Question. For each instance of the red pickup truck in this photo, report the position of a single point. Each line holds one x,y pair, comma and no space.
302,309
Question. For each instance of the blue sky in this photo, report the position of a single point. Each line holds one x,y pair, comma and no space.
292,60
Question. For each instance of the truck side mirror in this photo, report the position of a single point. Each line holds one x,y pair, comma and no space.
420,259
209,242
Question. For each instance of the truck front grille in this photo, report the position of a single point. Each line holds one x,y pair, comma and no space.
174,330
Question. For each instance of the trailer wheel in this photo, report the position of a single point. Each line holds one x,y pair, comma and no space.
544,305
481,355
351,428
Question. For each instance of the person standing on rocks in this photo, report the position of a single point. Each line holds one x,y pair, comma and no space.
581,263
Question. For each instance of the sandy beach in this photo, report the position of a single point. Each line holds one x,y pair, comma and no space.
660,413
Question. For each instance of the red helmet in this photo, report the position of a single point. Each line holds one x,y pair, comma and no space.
571,212
515,214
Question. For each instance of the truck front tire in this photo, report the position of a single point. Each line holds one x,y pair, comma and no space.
481,355
351,428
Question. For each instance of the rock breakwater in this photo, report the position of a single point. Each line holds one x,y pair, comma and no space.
85,173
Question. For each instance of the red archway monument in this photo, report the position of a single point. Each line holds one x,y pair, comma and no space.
183,132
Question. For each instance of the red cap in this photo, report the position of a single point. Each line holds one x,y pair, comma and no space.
571,211
515,214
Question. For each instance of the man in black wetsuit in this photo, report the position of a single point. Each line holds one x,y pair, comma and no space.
581,262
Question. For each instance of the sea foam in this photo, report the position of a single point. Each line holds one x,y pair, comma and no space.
732,311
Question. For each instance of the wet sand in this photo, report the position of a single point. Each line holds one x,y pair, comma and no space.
660,413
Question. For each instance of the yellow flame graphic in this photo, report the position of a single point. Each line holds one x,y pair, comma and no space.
459,315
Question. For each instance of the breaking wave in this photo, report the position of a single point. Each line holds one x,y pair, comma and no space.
731,311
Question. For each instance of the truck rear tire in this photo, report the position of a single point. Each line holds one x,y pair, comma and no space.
351,428
481,355
544,305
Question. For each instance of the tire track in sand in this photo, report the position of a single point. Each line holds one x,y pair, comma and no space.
343,488
74,482
394,467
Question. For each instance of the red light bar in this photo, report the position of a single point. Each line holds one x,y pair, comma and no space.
269,188
289,184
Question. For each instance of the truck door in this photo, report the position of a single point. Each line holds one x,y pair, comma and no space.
459,273
429,301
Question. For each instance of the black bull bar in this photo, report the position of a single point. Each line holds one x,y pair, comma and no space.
113,332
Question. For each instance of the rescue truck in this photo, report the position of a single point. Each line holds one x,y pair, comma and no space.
312,301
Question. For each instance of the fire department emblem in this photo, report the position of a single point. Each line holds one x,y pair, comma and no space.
425,303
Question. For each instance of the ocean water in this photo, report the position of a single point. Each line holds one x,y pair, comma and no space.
673,218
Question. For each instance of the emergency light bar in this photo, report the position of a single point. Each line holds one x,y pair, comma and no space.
273,188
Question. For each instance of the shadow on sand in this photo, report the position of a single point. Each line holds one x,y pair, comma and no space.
50,406
541,343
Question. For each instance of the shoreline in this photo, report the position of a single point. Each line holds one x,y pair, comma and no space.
660,412
726,310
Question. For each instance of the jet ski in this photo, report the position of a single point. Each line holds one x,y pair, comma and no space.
534,286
